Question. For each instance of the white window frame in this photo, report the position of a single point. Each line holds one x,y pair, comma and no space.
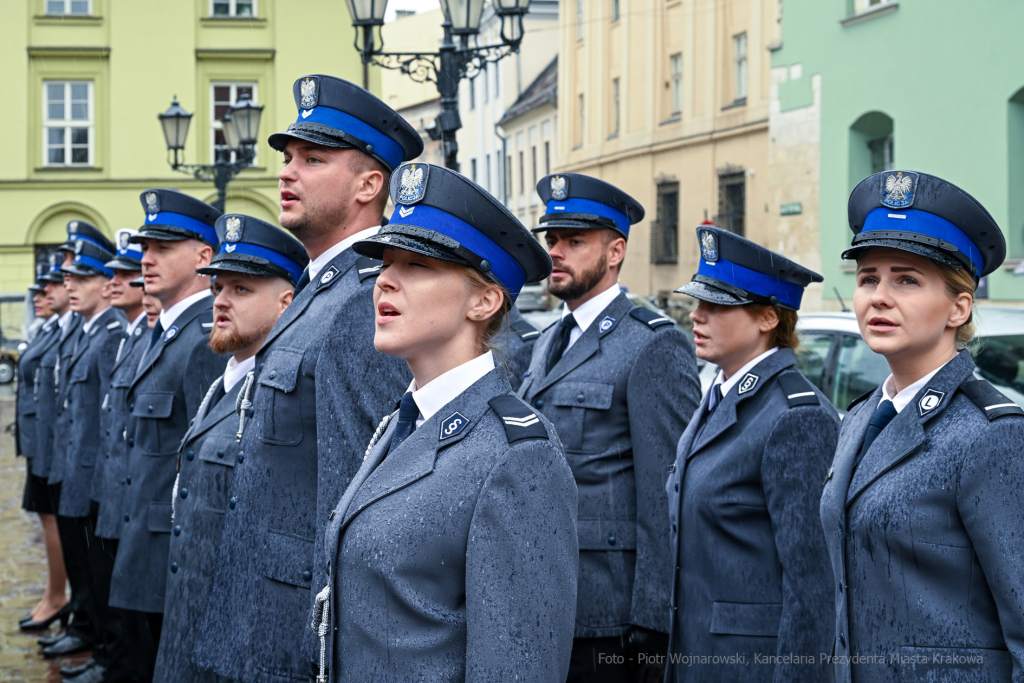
67,124
676,78
233,10
66,11
739,48
215,123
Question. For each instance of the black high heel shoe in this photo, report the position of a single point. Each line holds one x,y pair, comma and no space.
63,614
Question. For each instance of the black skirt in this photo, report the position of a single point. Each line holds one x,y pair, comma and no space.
37,496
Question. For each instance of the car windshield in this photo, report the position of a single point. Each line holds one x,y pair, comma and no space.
1000,360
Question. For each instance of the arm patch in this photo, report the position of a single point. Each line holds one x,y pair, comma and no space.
519,420
525,330
991,401
799,391
368,267
650,318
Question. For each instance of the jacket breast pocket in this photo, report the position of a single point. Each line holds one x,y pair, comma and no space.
746,619
585,402
151,409
217,456
282,605
79,373
158,520
282,422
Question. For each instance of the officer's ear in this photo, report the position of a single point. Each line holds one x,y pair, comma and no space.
615,248
767,319
204,254
284,299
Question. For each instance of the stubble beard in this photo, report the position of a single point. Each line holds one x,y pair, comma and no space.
579,286
230,340
315,222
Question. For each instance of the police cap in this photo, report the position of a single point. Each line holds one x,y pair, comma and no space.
82,230
129,254
89,260
254,247
172,216
578,201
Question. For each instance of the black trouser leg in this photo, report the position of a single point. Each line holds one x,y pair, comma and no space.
73,534
599,660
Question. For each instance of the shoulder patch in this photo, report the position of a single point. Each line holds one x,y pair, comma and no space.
519,420
114,325
368,267
525,330
207,327
862,397
650,318
991,401
799,391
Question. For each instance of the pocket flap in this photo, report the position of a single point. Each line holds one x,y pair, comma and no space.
159,518
219,451
79,373
746,619
154,404
288,559
606,534
281,369
597,395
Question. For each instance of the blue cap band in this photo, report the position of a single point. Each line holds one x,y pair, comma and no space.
280,260
752,281
132,252
383,146
505,268
577,205
179,220
95,263
924,223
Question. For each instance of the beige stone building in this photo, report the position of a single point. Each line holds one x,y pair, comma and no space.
670,102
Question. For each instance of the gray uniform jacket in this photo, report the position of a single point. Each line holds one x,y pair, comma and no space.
109,482
320,393
925,537
28,364
454,558
206,463
752,573
166,391
46,402
88,375
620,398
515,347
59,466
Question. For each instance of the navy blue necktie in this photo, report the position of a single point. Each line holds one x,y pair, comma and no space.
303,281
884,414
716,398
158,330
408,411
560,342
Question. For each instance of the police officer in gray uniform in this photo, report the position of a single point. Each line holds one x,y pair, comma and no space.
174,373
319,387
619,382
751,583
253,278
515,346
452,555
922,507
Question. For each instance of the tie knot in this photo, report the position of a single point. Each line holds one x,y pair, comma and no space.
884,414
568,322
408,411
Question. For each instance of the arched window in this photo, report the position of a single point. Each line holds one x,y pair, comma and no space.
871,146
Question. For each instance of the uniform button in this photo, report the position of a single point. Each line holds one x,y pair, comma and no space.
538,403
580,398
111,385
110,409
177,530
190,455
232,503
149,408
677,488
611,540
272,374
220,454
261,367
174,567
673,528
131,406
842,640
126,517
307,576
241,457
108,456
131,443
183,493
252,412
128,480
108,432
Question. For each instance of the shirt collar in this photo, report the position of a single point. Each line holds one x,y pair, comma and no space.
135,323
63,321
728,384
87,325
902,399
48,325
317,264
169,315
440,391
236,370
587,312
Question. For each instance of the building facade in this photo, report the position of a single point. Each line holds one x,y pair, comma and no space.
863,86
87,79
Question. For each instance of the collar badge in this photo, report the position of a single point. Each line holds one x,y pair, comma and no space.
747,384
171,333
606,324
930,401
452,425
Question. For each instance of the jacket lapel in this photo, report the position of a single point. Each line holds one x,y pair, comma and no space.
85,338
214,415
151,356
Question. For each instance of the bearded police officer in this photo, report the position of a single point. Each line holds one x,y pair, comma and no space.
174,373
253,278
619,383
319,387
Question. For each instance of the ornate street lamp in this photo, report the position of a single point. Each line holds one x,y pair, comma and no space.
241,126
451,63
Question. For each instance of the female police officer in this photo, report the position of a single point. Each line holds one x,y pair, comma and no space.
751,589
452,554
921,509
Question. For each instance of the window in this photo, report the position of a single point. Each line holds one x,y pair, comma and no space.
732,201
472,93
871,146
497,80
615,107
579,19
508,176
533,156
583,121
665,231
547,157
233,8
486,85
223,95
487,172
881,154
67,124
79,7
615,10
522,174
740,51
676,75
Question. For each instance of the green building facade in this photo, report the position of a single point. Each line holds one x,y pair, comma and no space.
935,86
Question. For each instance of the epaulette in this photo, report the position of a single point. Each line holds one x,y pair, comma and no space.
114,325
207,327
799,391
991,401
650,318
521,423
862,397
368,267
525,330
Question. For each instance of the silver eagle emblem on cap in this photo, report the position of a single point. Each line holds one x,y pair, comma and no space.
413,184
122,239
152,203
307,89
559,186
898,190
73,227
708,246
233,229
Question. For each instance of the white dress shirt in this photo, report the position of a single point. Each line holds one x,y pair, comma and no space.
87,325
169,315
902,399
317,264
440,391
728,384
236,370
48,325
587,312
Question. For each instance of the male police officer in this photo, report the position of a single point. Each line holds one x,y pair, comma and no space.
253,278
320,386
619,383
177,239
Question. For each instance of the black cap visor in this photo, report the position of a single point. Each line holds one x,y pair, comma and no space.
319,134
933,253
36,288
245,265
138,282
68,246
714,292
52,277
418,241
122,263
82,270
164,233
576,221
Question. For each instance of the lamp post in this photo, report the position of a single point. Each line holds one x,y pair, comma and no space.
451,63
241,126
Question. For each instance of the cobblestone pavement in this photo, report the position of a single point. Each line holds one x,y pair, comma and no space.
22,569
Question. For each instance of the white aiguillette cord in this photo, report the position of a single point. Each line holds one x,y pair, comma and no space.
320,624
244,403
